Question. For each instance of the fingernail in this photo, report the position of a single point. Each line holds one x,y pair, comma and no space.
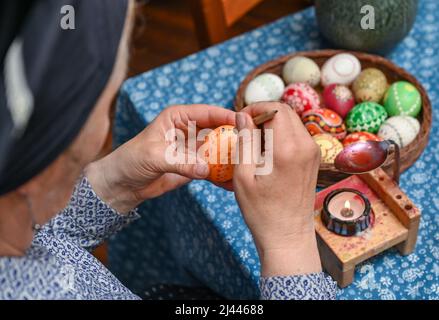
241,119
201,170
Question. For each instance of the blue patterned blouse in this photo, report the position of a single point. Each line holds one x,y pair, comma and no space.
59,264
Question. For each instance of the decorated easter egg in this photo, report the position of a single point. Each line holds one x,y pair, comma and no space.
329,146
339,98
370,85
366,116
401,129
219,150
324,121
342,68
360,136
265,87
301,96
402,98
301,69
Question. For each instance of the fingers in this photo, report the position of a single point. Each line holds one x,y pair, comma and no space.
286,117
160,158
165,183
205,116
245,168
198,170
171,181
288,132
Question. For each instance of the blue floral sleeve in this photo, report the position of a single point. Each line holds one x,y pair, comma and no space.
87,220
314,286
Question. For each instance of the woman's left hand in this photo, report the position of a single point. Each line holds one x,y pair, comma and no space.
138,170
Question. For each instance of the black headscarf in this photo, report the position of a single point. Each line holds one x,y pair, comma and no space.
65,71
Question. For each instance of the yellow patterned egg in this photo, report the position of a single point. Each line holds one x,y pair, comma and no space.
330,147
370,85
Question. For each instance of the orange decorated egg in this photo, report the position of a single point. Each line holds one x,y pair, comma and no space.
219,150
360,136
324,121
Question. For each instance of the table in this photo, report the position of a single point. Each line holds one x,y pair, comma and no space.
196,236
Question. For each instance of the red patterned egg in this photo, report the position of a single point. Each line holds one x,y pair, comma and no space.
360,136
339,98
324,121
302,97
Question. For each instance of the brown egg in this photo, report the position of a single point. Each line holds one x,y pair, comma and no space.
370,85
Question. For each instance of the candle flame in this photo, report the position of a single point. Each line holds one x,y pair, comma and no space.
347,204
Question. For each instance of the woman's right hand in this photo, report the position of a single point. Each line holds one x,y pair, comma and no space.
278,207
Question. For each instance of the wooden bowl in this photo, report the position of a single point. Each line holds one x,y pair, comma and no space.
409,154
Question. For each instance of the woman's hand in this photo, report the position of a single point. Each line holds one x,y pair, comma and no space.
278,207
138,170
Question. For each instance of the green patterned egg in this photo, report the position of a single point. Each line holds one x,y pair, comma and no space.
402,99
366,116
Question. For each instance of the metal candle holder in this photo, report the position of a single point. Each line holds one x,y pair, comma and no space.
346,227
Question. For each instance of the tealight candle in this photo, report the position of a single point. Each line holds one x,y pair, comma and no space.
346,206
346,212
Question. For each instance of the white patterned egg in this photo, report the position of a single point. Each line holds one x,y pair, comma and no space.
343,68
301,69
265,87
401,129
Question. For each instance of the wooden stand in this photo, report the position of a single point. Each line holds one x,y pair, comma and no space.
396,224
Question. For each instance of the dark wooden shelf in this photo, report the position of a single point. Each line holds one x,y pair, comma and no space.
165,30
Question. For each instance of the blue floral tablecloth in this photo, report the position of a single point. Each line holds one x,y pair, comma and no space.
196,236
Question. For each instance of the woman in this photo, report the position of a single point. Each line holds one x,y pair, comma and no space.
56,92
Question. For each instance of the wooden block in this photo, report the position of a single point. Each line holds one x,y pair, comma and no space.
333,266
400,204
396,223
392,195
409,245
